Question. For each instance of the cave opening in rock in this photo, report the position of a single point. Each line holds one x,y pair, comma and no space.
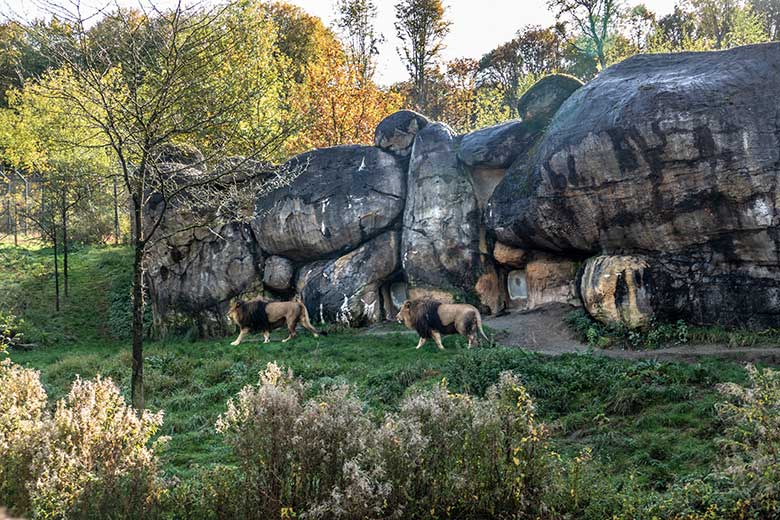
399,293
517,285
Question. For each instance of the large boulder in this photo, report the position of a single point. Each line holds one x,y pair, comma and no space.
617,290
510,256
496,146
192,276
344,196
347,290
278,273
396,132
441,240
676,156
540,102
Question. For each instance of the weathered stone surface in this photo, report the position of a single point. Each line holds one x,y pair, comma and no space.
396,132
676,156
509,256
618,290
441,239
347,290
490,291
496,146
540,102
346,195
278,273
551,280
193,276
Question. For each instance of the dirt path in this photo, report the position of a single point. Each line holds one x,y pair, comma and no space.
543,330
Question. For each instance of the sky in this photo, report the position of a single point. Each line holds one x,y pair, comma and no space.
477,25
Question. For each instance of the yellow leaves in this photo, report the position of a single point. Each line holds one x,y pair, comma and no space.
338,105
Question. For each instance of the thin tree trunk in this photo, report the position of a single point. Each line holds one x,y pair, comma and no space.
65,244
116,214
137,382
9,202
16,224
26,207
56,266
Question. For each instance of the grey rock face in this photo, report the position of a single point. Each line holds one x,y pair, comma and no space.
193,275
440,244
345,196
496,146
540,103
396,132
278,273
676,156
347,290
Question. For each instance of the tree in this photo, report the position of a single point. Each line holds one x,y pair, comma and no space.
20,54
421,27
715,19
769,10
355,19
197,84
674,32
45,136
534,51
708,24
595,19
639,24
337,103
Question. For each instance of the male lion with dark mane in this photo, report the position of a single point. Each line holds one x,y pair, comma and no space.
431,318
260,316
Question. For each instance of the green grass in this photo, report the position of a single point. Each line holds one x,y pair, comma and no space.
653,422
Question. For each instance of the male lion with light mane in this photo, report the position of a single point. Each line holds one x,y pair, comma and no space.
432,319
260,316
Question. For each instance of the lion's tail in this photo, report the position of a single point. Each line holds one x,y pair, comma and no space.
306,321
479,326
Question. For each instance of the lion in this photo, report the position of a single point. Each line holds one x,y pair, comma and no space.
260,316
431,318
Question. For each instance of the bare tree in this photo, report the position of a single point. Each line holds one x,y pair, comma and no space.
421,27
355,18
596,19
176,77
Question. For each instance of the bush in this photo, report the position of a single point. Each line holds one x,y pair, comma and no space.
22,407
89,459
441,455
599,335
747,482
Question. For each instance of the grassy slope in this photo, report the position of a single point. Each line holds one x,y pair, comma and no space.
653,420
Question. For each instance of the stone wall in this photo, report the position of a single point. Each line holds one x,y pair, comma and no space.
649,192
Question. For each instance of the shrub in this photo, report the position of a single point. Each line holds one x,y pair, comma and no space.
22,407
747,482
10,334
442,454
89,459
599,335
454,455
752,443
293,453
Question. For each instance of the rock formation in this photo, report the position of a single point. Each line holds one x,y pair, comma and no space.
618,290
440,244
346,290
650,192
675,156
346,195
